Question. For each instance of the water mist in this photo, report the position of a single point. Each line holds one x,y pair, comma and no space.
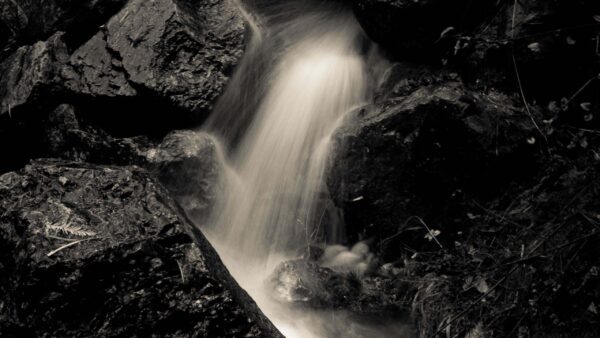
302,73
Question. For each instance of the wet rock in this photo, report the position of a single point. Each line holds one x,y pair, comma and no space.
31,72
27,21
306,284
425,154
94,250
71,140
187,163
153,67
528,40
411,28
183,51
148,58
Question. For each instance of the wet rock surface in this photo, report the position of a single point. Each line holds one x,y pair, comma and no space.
474,171
422,153
152,67
187,163
27,21
92,250
306,284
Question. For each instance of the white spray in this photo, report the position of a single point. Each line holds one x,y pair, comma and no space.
269,207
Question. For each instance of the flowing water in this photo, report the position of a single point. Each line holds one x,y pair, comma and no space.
302,73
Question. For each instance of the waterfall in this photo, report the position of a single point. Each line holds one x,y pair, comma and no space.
298,80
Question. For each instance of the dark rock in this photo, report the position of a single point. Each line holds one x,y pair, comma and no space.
30,72
425,154
26,21
183,51
410,28
187,163
306,284
103,251
153,67
68,139
155,55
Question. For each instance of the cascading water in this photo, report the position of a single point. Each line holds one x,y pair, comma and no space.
311,73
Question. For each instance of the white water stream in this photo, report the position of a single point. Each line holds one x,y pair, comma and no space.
271,204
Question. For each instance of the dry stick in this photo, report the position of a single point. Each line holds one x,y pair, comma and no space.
595,77
430,232
181,271
69,245
519,76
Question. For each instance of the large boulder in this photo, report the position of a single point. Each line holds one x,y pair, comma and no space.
91,250
412,27
181,50
424,154
155,66
31,71
188,164
27,21
149,58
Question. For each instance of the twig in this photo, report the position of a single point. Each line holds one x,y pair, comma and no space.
595,77
514,60
430,232
69,245
181,271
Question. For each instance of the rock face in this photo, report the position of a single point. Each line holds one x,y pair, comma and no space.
413,27
26,21
188,164
420,154
152,67
304,283
181,50
31,70
94,250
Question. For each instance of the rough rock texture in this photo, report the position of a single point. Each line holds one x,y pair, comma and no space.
182,50
187,163
304,283
67,138
413,27
30,71
474,170
153,67
26,21
94,250
422,153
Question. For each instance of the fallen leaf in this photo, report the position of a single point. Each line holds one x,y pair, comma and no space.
482,286
446,31
586,106
535,47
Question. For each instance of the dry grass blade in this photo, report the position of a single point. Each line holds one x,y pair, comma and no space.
69,245
518,76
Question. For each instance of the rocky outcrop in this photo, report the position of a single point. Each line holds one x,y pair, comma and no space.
183,51
152,67
426,154
95,250
27,21
305,284
188,163
412,28
30,72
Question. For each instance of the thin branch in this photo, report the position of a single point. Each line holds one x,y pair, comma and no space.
514,60
430,232
69,245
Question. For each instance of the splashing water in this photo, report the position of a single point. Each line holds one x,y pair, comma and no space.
273,198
